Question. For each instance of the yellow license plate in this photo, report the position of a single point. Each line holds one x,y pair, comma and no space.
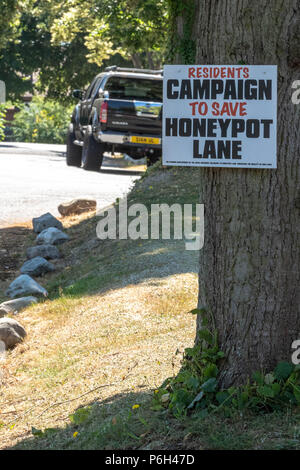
144,140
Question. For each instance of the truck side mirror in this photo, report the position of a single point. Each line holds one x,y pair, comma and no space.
78,94
103,94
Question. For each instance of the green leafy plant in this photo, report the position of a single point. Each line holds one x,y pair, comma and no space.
41,121
196,386
81,415
48,432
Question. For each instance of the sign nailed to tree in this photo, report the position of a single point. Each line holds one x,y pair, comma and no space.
220,115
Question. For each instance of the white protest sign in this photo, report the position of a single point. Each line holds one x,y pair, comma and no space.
220,115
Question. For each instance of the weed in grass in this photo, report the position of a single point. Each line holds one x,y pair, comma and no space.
196,386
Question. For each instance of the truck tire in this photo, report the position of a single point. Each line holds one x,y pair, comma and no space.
92,152
73,155
153,158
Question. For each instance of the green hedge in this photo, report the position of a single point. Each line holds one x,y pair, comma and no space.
41,121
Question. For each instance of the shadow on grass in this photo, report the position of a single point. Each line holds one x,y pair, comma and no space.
112,423
13,243
112,264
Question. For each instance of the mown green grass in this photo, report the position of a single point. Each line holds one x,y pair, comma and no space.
116,425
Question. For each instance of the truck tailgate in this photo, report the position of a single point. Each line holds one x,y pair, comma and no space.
134,116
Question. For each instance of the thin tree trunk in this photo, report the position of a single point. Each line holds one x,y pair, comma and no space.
136,60
150,60
249,266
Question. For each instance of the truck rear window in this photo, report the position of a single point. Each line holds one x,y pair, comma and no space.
120,88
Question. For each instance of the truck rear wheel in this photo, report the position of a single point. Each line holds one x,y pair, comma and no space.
92,152
73,155
153,158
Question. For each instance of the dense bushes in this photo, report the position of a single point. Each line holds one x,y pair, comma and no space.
41,121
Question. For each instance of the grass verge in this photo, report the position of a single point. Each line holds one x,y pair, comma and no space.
113,329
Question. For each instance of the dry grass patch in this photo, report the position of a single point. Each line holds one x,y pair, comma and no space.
116,326
76,345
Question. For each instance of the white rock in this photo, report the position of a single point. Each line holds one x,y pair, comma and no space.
37,266
51,236
4,311
11,332
25,285
45,221
15,305
45,251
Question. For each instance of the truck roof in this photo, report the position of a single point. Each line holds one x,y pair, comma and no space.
115,68
128,72
133,74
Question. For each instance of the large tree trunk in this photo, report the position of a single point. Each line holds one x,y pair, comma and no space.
249,266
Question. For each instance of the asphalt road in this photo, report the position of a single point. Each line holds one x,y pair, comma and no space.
34,179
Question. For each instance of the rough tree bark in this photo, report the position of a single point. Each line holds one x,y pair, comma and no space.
249,266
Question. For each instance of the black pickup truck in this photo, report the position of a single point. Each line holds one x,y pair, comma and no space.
121,111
